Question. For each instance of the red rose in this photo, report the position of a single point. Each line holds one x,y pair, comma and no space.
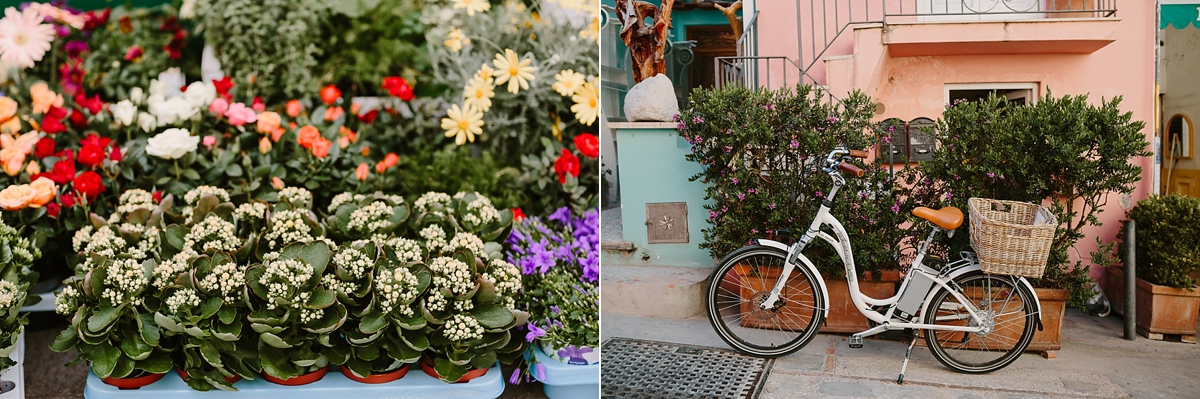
67,155
398,87
223,86
566,163
258,105
518,214
52,122
115,155
44,147
93,105
63,171
93,139
369,116
68,199
93,19
588,145
91,156
330,94
89,184
78,119
52,209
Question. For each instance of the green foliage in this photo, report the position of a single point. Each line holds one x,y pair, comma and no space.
760,151
1166,252
17,255
367,40
1061,151
110,74
454,169
268,46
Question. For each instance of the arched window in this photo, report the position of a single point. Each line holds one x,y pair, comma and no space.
1179,137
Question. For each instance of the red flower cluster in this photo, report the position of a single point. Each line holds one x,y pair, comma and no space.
94,19
92,153
174,48
223,86
588,145
369,116
52,122
330,94
398,87
566,163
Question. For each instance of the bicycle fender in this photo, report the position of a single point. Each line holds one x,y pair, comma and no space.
808,264
973,267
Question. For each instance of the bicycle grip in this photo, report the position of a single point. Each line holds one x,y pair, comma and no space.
850,168
857,154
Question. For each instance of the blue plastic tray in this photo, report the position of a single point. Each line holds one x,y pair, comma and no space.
415,384
568,381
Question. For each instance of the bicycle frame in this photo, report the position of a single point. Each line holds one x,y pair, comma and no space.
841,243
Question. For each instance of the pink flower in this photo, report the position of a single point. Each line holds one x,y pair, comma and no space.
218,106
239,114
210,141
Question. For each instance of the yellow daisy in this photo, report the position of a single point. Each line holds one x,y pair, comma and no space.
567,81
478,94
592,32
587,104
557,128
486,73
473,6
516,73
456,40
463,124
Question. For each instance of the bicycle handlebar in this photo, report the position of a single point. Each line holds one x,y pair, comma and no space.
857,154
851,169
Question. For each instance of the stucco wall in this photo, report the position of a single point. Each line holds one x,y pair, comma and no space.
1180,82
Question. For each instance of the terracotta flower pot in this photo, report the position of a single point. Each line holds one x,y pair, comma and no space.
184,376
133,382
377,378
299,380
427,366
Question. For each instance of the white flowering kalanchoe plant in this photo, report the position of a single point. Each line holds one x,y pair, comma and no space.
358,216
17,254
291,310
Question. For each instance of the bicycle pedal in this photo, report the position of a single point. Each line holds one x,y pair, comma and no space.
856,341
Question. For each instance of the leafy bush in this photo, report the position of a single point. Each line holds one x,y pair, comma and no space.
367,40
269,47
1164,258
761,151
1061,150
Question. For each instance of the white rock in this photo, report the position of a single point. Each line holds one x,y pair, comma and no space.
652,100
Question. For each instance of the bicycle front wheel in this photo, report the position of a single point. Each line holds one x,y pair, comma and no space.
1007,309
741,282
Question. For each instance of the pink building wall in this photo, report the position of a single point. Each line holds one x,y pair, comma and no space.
1058,54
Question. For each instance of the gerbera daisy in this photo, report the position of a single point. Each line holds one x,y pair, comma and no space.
515,72
478,94
472,6
456,40
24,39
463,124
566,82
586,104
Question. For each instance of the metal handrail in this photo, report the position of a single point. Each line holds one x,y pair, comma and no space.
747,45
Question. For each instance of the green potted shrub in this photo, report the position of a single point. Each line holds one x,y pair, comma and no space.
1168,301
112,322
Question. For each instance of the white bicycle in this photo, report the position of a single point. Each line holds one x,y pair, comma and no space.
768,299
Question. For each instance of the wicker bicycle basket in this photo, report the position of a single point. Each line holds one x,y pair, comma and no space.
1011,237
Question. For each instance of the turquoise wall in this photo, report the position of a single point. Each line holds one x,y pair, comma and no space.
653,170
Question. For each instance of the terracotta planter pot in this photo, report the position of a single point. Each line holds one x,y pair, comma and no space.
427,366
377,378
184,376
299,380
843,317
1160,309
133,383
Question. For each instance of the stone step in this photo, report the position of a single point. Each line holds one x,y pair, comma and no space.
653,291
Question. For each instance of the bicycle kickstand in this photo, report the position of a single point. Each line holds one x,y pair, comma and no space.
907,354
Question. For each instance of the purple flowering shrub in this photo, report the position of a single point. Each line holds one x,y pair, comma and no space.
559,257
760,151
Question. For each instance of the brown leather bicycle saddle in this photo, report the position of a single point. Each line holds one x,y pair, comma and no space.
948,218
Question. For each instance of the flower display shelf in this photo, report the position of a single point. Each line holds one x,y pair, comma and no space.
571,381
16,374
334,385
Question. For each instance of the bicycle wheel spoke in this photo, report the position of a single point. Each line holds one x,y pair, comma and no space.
1004,309
745,281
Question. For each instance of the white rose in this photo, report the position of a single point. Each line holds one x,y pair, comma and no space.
172,110
124,112
172,144
200,94
158,88
147,122
137,95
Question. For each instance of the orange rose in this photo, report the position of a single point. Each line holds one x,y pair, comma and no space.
14,160
307,136
33,168
343,142
43,98
16,197
294,108
354,108
332,113
268,121
391,159
13,125
26,141
7,141
8,108
264,145
44,191
320,148
275,135
380,167
277,183
362,172
366,151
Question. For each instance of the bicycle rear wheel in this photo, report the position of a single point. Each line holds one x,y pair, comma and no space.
1006,306
741,282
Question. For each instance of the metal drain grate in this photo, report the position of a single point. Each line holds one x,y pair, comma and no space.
637,369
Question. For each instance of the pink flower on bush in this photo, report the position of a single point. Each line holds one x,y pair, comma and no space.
239,114
218,106
210,141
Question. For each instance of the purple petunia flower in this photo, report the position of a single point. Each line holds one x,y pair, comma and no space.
534,333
